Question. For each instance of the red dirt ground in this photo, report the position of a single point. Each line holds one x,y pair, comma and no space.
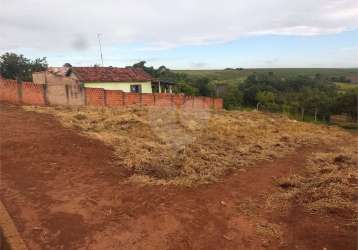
64,191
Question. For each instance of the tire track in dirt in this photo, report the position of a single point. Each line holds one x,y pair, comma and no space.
64,191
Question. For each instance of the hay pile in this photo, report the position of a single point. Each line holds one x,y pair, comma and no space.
163,145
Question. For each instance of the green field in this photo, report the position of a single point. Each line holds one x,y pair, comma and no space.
237,75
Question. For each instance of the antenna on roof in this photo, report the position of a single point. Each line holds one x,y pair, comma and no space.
100,46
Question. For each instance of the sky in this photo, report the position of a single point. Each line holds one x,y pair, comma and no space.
185,34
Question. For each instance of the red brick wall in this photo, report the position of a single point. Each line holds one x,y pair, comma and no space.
179,100
189,102
27,92
94,97
163,99
218,103
114,98
30,93
198,102
208,102
9,90
33,93
132,99
148,99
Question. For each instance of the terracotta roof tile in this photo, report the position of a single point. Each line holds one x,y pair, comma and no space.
111,74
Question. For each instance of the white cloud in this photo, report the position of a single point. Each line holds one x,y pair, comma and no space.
299,31
164,24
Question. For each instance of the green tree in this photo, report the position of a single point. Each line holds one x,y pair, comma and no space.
204,89
18,67
186,89
265,98
348,103
232,97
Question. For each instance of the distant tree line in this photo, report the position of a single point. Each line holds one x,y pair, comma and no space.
304,97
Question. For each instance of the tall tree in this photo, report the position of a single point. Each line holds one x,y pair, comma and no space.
348,103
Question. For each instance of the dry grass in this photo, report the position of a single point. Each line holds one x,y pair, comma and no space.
329,183
269,230
247,207
162,145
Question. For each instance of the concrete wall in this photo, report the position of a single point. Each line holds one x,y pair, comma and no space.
123,86
61,90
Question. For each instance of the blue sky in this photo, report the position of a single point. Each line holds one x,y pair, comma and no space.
185,35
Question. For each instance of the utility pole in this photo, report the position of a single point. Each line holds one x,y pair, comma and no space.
100,46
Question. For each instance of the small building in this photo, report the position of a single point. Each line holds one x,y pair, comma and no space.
109,78
134,80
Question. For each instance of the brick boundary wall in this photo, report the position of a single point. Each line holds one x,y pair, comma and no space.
33,94
95,97
36,94
9,90
26,92
117,98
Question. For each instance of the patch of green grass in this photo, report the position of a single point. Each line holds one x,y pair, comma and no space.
346,86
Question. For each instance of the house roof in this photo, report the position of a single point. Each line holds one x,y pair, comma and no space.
110,74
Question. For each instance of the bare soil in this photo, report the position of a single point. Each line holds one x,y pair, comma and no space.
65,191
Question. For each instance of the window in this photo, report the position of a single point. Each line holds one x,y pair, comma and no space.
136,88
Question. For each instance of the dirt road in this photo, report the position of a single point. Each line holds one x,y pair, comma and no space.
64,191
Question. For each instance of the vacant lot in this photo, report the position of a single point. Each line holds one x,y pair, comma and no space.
169,146
162,179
